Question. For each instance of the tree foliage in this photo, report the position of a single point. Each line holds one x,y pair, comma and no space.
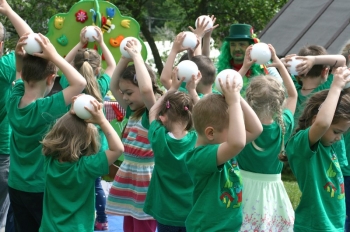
175,14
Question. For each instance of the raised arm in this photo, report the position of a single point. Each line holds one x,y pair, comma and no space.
72,53
114,85
253,126
76,81
19,24
106,53
19,52
207,37
115,146
236,135
143,78
165,77
292,93
309,61
247,63
326,111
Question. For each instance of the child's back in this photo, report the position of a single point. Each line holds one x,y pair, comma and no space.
169,197
71,170
30,115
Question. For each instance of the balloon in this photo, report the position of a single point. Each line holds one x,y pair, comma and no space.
80,102
206,19
186,69
293,64
261,53
32,45
123,43
227,73
190,40
90,32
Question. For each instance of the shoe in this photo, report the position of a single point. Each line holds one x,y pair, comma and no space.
101,226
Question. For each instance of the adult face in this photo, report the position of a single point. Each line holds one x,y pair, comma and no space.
237,50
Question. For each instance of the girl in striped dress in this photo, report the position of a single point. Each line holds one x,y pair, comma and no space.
134,87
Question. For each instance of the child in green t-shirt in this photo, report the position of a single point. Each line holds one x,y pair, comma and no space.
313,158
88,63
169,196
224,125
71,168
266,205
205,66
31,112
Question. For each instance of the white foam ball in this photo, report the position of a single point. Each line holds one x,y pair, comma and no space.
123,43
186,69
233,76
293,64
206,19
261,53
190,41
80,103
32,45
90,32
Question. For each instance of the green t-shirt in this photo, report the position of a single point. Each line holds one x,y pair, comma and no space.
346,169
29,126
8,75
217,194
169,196
103,83
322,204
252,160
302,99
69,198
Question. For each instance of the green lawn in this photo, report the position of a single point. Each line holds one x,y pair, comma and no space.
292,188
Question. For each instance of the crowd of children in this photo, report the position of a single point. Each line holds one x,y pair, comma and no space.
194,159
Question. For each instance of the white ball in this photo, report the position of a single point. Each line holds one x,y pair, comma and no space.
32,45
206,19
293,64
80,102
233,76
186,69
190,41
123,43
261,53
90,32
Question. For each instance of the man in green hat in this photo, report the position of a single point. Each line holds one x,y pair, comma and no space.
233,50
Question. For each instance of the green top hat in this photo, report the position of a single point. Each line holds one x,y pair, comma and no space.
241,32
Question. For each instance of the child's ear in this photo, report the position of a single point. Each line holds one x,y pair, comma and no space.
324,73
51,79
209,133
162,118
97,71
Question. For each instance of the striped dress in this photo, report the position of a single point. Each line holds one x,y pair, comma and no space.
128,192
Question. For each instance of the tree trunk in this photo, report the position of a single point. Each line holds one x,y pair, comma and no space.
157,60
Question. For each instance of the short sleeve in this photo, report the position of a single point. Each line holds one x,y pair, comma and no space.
8,67
288,120
155,129
64,82
299,146
296,83
95,165
202,160
103,82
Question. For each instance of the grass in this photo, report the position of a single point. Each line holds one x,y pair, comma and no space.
291,186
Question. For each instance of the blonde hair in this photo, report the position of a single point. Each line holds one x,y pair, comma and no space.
266,96
211,110
70,138
86,62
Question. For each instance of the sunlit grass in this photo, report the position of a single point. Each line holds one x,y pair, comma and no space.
291,186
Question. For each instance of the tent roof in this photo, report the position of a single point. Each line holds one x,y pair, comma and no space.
305,22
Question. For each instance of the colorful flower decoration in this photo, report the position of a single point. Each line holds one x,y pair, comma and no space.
81,16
